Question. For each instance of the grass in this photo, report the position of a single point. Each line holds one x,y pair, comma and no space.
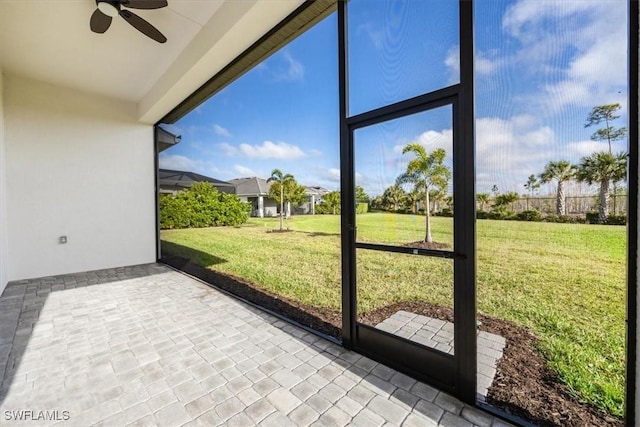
566,282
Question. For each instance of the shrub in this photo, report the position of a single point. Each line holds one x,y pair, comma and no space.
446,212
483,214
362,208
592,217
532,215
617,220
564,219
325,209
202,206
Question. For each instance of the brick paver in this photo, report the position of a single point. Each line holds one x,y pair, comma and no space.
146,345
438,334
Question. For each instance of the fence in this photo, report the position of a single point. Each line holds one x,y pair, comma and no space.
575,205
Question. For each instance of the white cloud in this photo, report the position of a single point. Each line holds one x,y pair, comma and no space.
244,171
430,140
452,61
316,153
590,35
219,130
228,149
508,151
283,67
272,150
187,164
295,69
332,175
375,36
485,63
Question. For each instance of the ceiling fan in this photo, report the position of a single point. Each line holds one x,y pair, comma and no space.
107,9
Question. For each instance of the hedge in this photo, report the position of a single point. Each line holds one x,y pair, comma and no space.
202,206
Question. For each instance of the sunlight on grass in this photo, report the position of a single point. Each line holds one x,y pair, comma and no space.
567,282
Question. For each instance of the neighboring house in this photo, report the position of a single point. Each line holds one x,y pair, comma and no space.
171,181
256,191
314,196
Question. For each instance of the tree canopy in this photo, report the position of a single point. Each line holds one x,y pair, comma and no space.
283,188
605,113
425,172
603,168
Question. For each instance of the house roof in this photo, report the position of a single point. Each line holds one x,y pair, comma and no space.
252,186
180,179
51,41
316,190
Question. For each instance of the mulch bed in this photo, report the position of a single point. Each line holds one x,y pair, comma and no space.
420,244
523,386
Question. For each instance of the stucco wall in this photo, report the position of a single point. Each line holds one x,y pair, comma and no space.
80,166
3,201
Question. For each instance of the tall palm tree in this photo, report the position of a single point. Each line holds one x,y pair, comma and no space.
560,171
281,179
603,168
426,172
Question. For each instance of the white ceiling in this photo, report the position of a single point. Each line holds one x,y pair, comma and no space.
51,41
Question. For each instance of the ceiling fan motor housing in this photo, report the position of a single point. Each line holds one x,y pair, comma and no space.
108,7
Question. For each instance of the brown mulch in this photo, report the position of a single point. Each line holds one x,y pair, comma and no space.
420,244
523,386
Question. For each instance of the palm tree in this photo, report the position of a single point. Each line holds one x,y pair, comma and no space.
277,176
603,168
394,195
412,199
425,172
560,171
483,199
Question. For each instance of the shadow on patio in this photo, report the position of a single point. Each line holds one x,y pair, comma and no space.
146,345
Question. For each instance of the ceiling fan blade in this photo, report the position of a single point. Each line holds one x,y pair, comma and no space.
99,22
144,4
143,26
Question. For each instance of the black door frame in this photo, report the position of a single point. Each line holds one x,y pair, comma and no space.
456,374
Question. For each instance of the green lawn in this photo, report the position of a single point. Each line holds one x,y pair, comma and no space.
564,281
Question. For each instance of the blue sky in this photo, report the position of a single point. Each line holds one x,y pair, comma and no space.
540,68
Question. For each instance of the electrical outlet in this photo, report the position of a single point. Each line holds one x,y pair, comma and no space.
63,239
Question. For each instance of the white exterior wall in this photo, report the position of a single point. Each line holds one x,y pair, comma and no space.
76,165
4,273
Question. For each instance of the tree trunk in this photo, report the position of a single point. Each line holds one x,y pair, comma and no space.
603,211
281,204
560,206
427,237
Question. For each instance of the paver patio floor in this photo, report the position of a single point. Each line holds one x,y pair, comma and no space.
146,345
438,334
